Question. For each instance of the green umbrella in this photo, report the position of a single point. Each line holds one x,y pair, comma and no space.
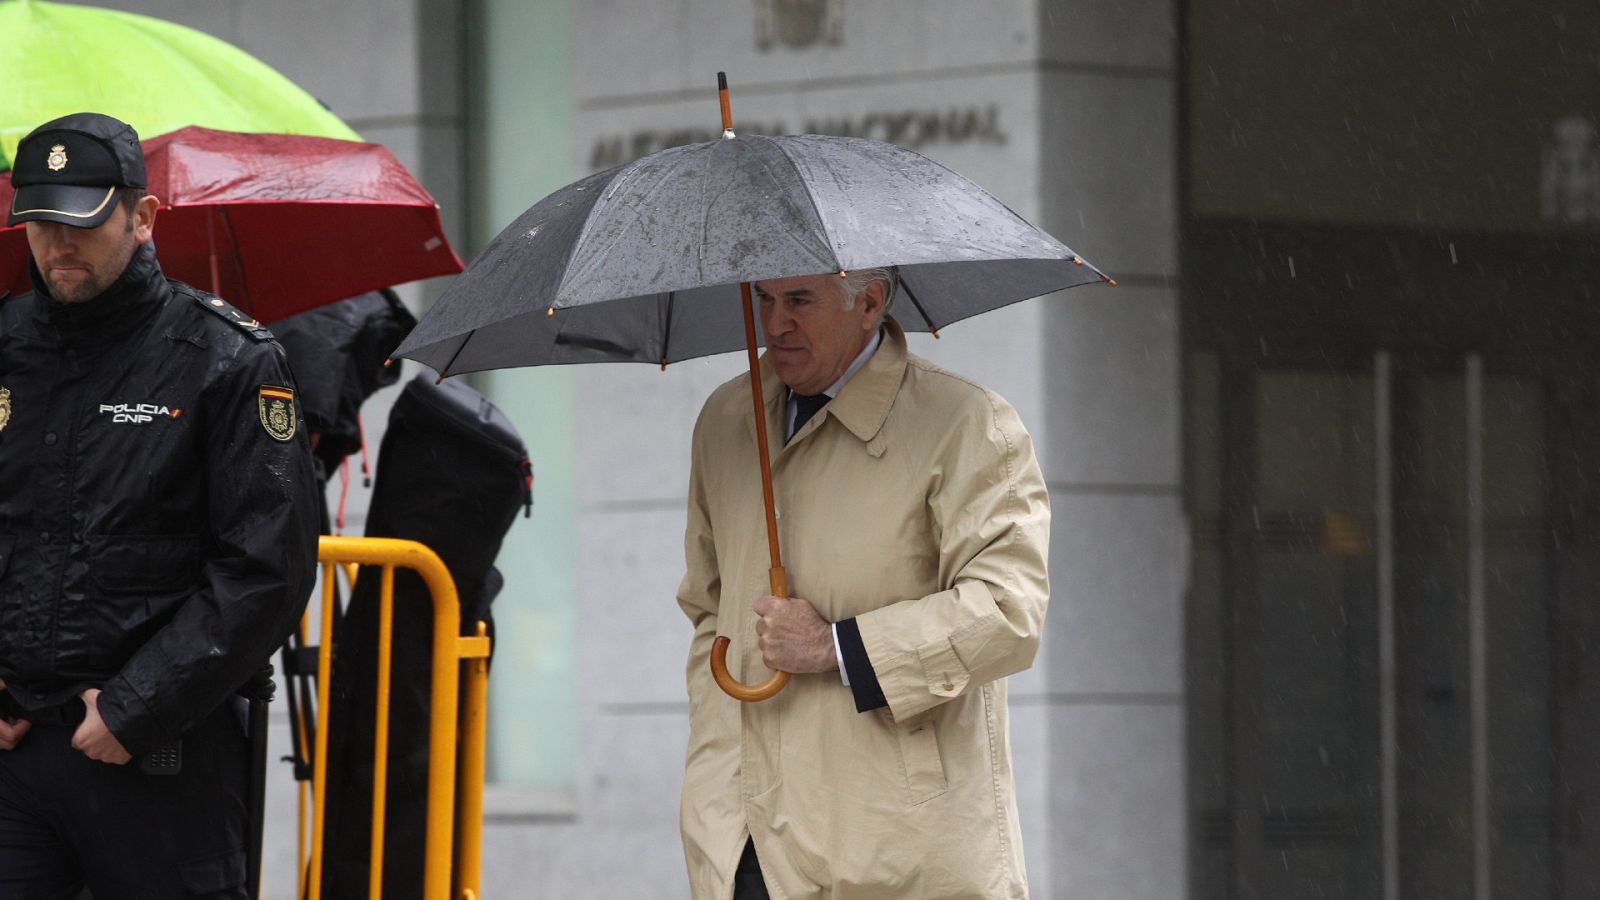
152,74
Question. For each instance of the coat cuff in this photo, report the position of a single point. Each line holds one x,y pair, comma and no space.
863,680
129,718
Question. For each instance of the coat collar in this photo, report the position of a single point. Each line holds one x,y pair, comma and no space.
136,294
863,404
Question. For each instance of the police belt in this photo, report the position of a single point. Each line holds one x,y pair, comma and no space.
70,712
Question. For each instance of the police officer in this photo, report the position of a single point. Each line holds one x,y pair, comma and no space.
157,540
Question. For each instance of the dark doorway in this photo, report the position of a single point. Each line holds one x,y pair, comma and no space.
1393,478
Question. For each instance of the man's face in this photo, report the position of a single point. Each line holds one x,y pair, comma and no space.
78,264
811,337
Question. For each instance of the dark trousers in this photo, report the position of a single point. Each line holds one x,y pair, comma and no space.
747,883
67,822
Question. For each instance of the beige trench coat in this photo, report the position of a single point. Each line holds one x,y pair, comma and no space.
913,502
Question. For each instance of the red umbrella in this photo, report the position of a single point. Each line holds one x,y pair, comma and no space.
277,224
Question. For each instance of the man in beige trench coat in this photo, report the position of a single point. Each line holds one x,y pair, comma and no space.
915,524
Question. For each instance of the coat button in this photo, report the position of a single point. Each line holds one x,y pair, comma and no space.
50,439
948,686
44,537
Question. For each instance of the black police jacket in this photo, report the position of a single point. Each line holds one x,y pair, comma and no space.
158,515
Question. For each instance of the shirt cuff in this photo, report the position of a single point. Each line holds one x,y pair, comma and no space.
858,668
838,654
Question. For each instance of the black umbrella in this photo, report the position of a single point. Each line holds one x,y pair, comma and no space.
652,261
337,354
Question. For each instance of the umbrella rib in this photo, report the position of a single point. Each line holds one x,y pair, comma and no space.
700,245
444,372
624,172
796,235
827,232
238,263
912,296
666,330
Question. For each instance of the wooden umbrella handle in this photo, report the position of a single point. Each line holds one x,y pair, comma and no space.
778,581
733,687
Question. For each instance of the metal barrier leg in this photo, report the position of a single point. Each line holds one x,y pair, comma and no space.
469,827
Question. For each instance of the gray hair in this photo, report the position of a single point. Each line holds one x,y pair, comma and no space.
857,281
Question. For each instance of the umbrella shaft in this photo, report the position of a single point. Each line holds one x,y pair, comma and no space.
761,434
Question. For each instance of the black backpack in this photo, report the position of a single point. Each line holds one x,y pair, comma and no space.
452,473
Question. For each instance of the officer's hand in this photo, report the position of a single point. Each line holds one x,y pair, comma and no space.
93,738
792,637
11,730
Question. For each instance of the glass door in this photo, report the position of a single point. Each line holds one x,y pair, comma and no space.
1374,627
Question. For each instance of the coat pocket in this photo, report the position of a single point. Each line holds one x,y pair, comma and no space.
135,583
919,756
144,563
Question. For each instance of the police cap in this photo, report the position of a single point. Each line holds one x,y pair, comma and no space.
69,170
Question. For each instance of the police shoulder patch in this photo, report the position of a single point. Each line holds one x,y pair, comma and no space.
275,405
231,314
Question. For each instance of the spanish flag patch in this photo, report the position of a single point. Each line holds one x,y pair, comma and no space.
276,406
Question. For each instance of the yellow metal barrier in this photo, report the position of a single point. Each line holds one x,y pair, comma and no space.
450,651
